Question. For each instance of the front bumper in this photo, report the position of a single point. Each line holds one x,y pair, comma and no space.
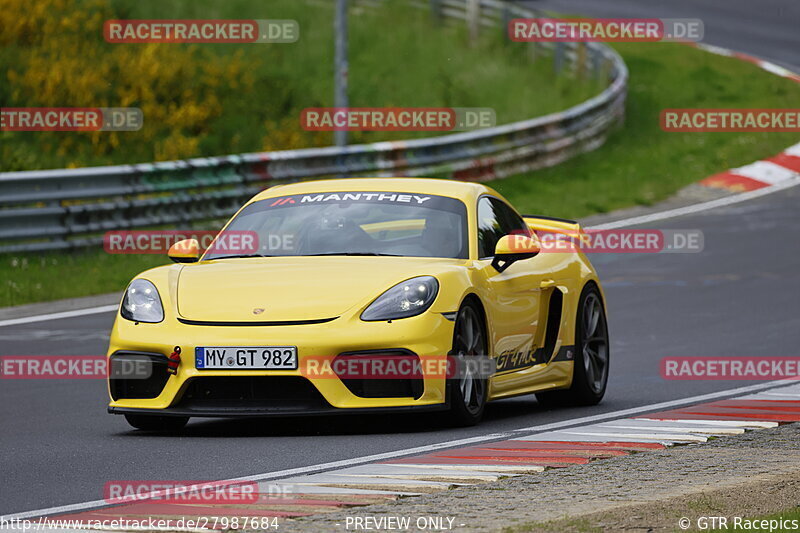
279,392
278,412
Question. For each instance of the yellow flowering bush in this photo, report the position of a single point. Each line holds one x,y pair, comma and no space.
62,60
202,100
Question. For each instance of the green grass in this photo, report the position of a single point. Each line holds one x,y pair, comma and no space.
640,164
52,276
249,97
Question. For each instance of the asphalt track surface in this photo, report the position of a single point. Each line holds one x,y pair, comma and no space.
738,297
763,28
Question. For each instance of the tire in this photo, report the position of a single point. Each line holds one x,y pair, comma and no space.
468,392
590,374
156,422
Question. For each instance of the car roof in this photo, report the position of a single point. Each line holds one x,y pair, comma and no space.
442,187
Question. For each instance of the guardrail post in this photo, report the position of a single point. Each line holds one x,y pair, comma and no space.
596,60
69,208
532,53
436,11
506,20
607,69
580,58
473,19
341,66
558,57
60,239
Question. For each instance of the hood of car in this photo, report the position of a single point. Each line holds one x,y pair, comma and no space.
278,289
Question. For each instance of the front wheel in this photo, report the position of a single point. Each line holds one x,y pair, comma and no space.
590,374
156,422
468,387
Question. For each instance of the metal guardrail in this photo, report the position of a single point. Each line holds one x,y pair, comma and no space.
70,208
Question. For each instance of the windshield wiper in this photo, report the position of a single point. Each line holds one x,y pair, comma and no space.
357,253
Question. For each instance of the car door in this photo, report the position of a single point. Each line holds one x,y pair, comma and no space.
517,301
513,297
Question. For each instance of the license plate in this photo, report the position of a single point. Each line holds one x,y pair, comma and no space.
246,357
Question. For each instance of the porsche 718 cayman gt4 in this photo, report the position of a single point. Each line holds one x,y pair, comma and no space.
404,272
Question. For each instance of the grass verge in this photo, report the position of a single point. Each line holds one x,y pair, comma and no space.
639,164
213,99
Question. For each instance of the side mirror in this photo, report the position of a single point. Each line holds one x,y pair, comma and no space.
185,251
512,248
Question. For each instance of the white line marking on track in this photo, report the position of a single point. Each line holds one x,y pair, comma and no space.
566,436
643,437
704,206
774,395
677,429
57,316
476,467
723,423
657,406
671,213
529,432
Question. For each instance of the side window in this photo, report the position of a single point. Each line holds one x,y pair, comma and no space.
510,221
489,231
495,220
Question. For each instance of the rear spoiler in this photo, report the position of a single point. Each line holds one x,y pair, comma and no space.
553,224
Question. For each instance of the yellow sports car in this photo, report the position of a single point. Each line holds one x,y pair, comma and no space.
362,296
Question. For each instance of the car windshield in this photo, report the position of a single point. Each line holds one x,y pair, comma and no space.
353,223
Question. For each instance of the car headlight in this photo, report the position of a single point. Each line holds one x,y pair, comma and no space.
142,302
405,299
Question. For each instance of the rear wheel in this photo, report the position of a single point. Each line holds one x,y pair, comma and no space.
156,422
468,389
590,374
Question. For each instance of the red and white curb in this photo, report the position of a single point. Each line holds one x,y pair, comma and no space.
379,482
760,174
769,172
444,469
761,63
